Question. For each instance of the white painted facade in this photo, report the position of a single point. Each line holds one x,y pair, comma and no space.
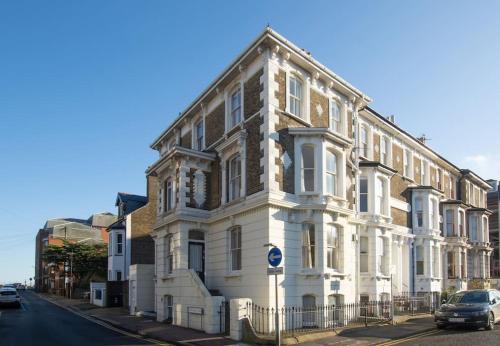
197,262
118,261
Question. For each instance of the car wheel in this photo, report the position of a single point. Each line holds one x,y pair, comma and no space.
491,322
440,326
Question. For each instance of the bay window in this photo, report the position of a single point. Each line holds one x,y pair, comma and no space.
331,173
335,122
363,194
450,223
473,227
169,254
419,255
308,168
451,265
332,250
419,211
380,197
433,214
295,96
234,178
235,103
461,223
308,246
119,244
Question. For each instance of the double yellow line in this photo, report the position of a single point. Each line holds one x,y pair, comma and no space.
409,338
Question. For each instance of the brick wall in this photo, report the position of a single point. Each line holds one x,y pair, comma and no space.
398,188
252,88
397,158
142,245
280,94
254,154
318,109
400,217
214,125
214,185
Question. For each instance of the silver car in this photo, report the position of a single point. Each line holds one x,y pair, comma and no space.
9,295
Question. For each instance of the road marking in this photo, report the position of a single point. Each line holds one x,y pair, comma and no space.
409,338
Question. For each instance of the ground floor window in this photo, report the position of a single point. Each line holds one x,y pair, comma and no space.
98,295
168,301
308,308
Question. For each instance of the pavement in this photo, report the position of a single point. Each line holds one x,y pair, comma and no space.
40,323
143,326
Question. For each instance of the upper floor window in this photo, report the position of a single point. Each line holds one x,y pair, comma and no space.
308,168
439,177
331,173
384,150
450,223
380,197
461,223
199,135
423,172
308,246
452,187
363,194
419,210
433,214
235,250
295,96
419,254
332,251
169,195
235,108
451,265
485,229
473,227
119,243
169,254
364,142
234,178
407,163
335,121
363,254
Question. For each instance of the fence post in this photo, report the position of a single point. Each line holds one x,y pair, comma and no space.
366,315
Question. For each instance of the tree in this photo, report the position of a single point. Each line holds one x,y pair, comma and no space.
87,261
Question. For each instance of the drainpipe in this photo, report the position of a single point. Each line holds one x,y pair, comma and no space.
412,266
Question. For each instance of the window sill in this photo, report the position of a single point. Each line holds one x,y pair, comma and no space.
296,117
231,275
333,273
308,193
167,276
309,273
238,125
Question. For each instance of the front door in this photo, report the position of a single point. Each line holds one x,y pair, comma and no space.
197,259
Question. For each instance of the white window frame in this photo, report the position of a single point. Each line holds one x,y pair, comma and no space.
419,211
364,252
383,255
235,249
234,178
333,247
364,141
364,195
308,235
433,214
304,169
169,195
419,259
381,195
435,261
298,100
450,222
332,181
471,228
335,124
199,139
235,111
119,244
407,163
384,150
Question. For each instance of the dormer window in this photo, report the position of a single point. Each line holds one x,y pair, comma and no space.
199,135
335,122
295,96
308,168
235,118
331,173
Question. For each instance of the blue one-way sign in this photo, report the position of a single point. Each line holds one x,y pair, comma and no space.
274,257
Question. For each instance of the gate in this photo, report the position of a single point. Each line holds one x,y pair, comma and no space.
224,318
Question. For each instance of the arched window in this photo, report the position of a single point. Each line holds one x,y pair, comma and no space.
235,103
335,121
331,173
308,168
295,96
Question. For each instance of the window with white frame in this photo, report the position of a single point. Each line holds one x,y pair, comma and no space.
308,245
308,168
331,173
235,248
363,194
452,187
380,196
461,223
473,227
384,150
199,135
169,304
383,255
169,195
119,244
451,264
234,178
439,177
363,254
364,141
407,163
419,255
295,96
169,254
235,103
450,223
485,231
333,247
419,211
335,120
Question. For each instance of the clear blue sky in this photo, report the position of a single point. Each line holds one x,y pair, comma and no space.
85,87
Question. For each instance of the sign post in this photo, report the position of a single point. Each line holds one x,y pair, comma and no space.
274,258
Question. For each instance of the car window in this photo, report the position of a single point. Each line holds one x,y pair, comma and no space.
470,297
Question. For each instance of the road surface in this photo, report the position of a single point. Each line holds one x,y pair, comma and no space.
41,323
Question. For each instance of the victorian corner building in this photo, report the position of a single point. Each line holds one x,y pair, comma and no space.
279,149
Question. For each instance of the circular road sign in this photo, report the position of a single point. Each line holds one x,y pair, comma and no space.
274,257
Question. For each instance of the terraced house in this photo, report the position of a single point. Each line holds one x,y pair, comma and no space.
279,149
